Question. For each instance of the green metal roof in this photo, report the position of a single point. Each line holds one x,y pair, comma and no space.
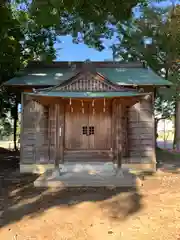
130,76
120,76
42,77
87,94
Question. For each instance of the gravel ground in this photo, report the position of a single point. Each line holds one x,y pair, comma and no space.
151,211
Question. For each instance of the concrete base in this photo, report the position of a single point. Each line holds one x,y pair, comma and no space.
91,175
42,168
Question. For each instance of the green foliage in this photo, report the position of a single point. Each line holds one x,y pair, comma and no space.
164,108
94,11
152,37
6,128
21,40
87,21
155,39
10,48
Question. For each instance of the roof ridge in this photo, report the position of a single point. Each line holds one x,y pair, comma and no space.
80,64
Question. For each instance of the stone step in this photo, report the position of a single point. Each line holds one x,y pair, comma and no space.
81,179
82,166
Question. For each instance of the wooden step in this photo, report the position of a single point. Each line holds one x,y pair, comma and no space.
87,156
89,153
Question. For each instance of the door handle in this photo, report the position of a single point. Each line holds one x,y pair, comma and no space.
60,132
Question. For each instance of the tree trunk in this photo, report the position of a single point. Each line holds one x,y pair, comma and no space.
177,126
15,123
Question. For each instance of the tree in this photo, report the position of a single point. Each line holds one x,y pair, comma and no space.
87,21
50,13
163,109
5,128
155,39
21,40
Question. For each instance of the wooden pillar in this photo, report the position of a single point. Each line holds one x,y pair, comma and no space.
118,134
61,131
59,143
126,151
57,112
113,128
52,133
56,132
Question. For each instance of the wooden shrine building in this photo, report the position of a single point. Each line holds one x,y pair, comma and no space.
87,112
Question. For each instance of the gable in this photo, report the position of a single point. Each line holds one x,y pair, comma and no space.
85,82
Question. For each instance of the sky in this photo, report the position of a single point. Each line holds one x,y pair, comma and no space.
79,52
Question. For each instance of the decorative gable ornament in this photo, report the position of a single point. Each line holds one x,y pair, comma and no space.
84,81
141,90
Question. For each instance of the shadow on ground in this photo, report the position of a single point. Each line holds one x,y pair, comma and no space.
19,198
168,161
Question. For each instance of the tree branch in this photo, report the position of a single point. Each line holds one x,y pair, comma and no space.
161,118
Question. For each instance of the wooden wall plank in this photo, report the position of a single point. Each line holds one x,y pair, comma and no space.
22,127
28,136
141,131
34,144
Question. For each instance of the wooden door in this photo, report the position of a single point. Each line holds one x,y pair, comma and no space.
88,126
76,125
100,125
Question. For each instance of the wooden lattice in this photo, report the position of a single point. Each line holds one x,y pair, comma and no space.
86,82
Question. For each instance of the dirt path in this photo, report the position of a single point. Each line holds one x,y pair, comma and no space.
151,212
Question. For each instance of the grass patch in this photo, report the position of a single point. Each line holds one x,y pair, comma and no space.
163,155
